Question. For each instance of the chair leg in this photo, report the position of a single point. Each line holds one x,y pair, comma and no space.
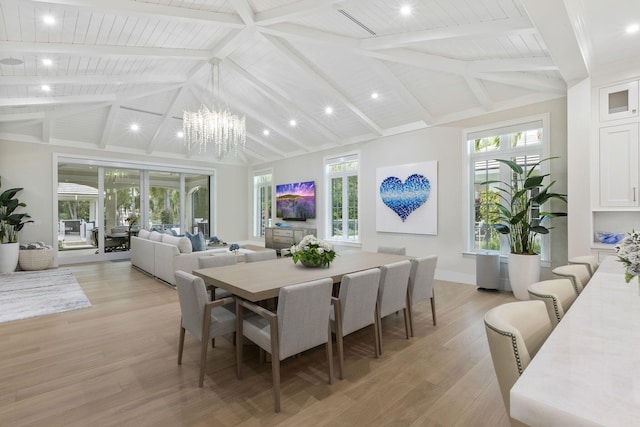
330,355
376,346
340,343
379,320
406,322
204,344
180,344
275,364
433,308
410,309
213,343
239,336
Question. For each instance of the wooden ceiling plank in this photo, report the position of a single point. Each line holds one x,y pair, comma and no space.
480,92
70,79
244,11
56,100
294,10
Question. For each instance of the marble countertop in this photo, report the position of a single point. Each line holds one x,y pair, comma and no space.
588,371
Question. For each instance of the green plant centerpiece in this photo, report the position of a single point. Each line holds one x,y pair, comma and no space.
312,252
11,222
519,211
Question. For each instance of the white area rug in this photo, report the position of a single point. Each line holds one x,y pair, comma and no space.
25,294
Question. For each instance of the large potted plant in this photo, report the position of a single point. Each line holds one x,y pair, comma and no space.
11,223
521,218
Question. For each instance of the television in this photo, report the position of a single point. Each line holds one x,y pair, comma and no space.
296,201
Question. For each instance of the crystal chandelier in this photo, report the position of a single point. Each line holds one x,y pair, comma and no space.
223,131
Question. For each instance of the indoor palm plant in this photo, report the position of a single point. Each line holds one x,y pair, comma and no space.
11,223
521,218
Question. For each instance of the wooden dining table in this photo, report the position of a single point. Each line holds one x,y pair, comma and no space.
258,281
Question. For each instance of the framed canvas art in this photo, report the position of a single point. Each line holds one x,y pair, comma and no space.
407,198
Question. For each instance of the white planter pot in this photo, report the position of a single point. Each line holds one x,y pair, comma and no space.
9,253
524,270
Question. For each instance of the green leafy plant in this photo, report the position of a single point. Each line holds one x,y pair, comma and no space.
10,221
312,251
521,200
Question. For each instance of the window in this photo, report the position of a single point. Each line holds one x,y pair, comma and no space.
342,202
261,202
524,143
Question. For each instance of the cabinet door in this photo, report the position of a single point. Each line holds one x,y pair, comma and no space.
619,101
619,166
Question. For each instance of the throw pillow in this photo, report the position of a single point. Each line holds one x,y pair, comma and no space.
197,241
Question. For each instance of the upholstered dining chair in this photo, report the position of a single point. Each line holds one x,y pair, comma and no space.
257,256
423,270
217,261
590,261
392,250
557,295
392,294
357,309
204,319
300,323
515,332
578,274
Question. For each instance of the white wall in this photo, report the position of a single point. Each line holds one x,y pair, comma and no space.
444,144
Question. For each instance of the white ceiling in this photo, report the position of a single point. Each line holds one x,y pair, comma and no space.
116,62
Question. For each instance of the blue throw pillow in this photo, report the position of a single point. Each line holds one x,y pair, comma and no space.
197,241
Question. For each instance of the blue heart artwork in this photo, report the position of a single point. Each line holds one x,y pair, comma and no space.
404,198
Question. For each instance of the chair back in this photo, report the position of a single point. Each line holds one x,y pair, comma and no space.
392,291
590,261
392,250
578,273
192,294
423,270
358,296
515,332
557,294
303,316
257,256
217,260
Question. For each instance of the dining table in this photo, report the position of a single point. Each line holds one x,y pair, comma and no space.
258,281
587,373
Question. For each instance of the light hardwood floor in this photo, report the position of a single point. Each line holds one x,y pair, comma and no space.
114,364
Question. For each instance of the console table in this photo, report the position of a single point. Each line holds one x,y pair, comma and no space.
284,237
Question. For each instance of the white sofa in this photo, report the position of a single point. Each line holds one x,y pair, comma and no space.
161,255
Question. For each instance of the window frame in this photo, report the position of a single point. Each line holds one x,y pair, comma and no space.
328,176
256,220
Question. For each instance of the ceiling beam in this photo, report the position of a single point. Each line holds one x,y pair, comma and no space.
108,125
480,92
102,79
244,11
526,81
56,100
295,10
166,116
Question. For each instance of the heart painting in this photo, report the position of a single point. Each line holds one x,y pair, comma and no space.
405,197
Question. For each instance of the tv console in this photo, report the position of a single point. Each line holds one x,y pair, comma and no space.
284,237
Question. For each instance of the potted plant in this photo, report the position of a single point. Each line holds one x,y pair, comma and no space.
10,224
312,252
521,218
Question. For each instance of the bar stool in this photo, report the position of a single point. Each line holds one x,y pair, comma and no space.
590,261
557,294
578,273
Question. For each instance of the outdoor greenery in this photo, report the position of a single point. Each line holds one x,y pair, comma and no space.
11,222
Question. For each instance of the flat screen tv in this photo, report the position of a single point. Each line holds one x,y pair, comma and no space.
297,201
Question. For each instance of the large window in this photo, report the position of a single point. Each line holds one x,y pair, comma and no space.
261,202
342,184
524,143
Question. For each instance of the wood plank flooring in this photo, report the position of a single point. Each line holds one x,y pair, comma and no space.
115,365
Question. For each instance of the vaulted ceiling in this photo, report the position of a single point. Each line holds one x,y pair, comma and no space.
119,62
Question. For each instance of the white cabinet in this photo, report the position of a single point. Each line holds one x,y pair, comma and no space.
619,101
285,237
618,159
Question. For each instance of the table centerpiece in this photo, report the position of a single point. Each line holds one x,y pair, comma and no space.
312,252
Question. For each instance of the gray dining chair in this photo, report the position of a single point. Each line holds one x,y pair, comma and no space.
578,273
217,261
515,332
557,294
590,261
421,285
301,322
392,250
357,298
204,319
392,294
257,256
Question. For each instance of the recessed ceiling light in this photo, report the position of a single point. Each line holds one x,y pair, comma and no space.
135,127
11,61
375,95
265,132
47,62
292,123
45,88
180,134
48,19
633,28
405,10
328,110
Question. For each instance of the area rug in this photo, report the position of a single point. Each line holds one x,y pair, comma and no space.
25,294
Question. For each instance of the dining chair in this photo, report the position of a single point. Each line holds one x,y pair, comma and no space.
590,261
423,270
301,322
557,295
392,250
515,332
357,298
257,256
392,294
204,319
578,274
217,261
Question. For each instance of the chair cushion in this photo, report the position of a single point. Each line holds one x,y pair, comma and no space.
197,241
144,234
182,243
155,236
